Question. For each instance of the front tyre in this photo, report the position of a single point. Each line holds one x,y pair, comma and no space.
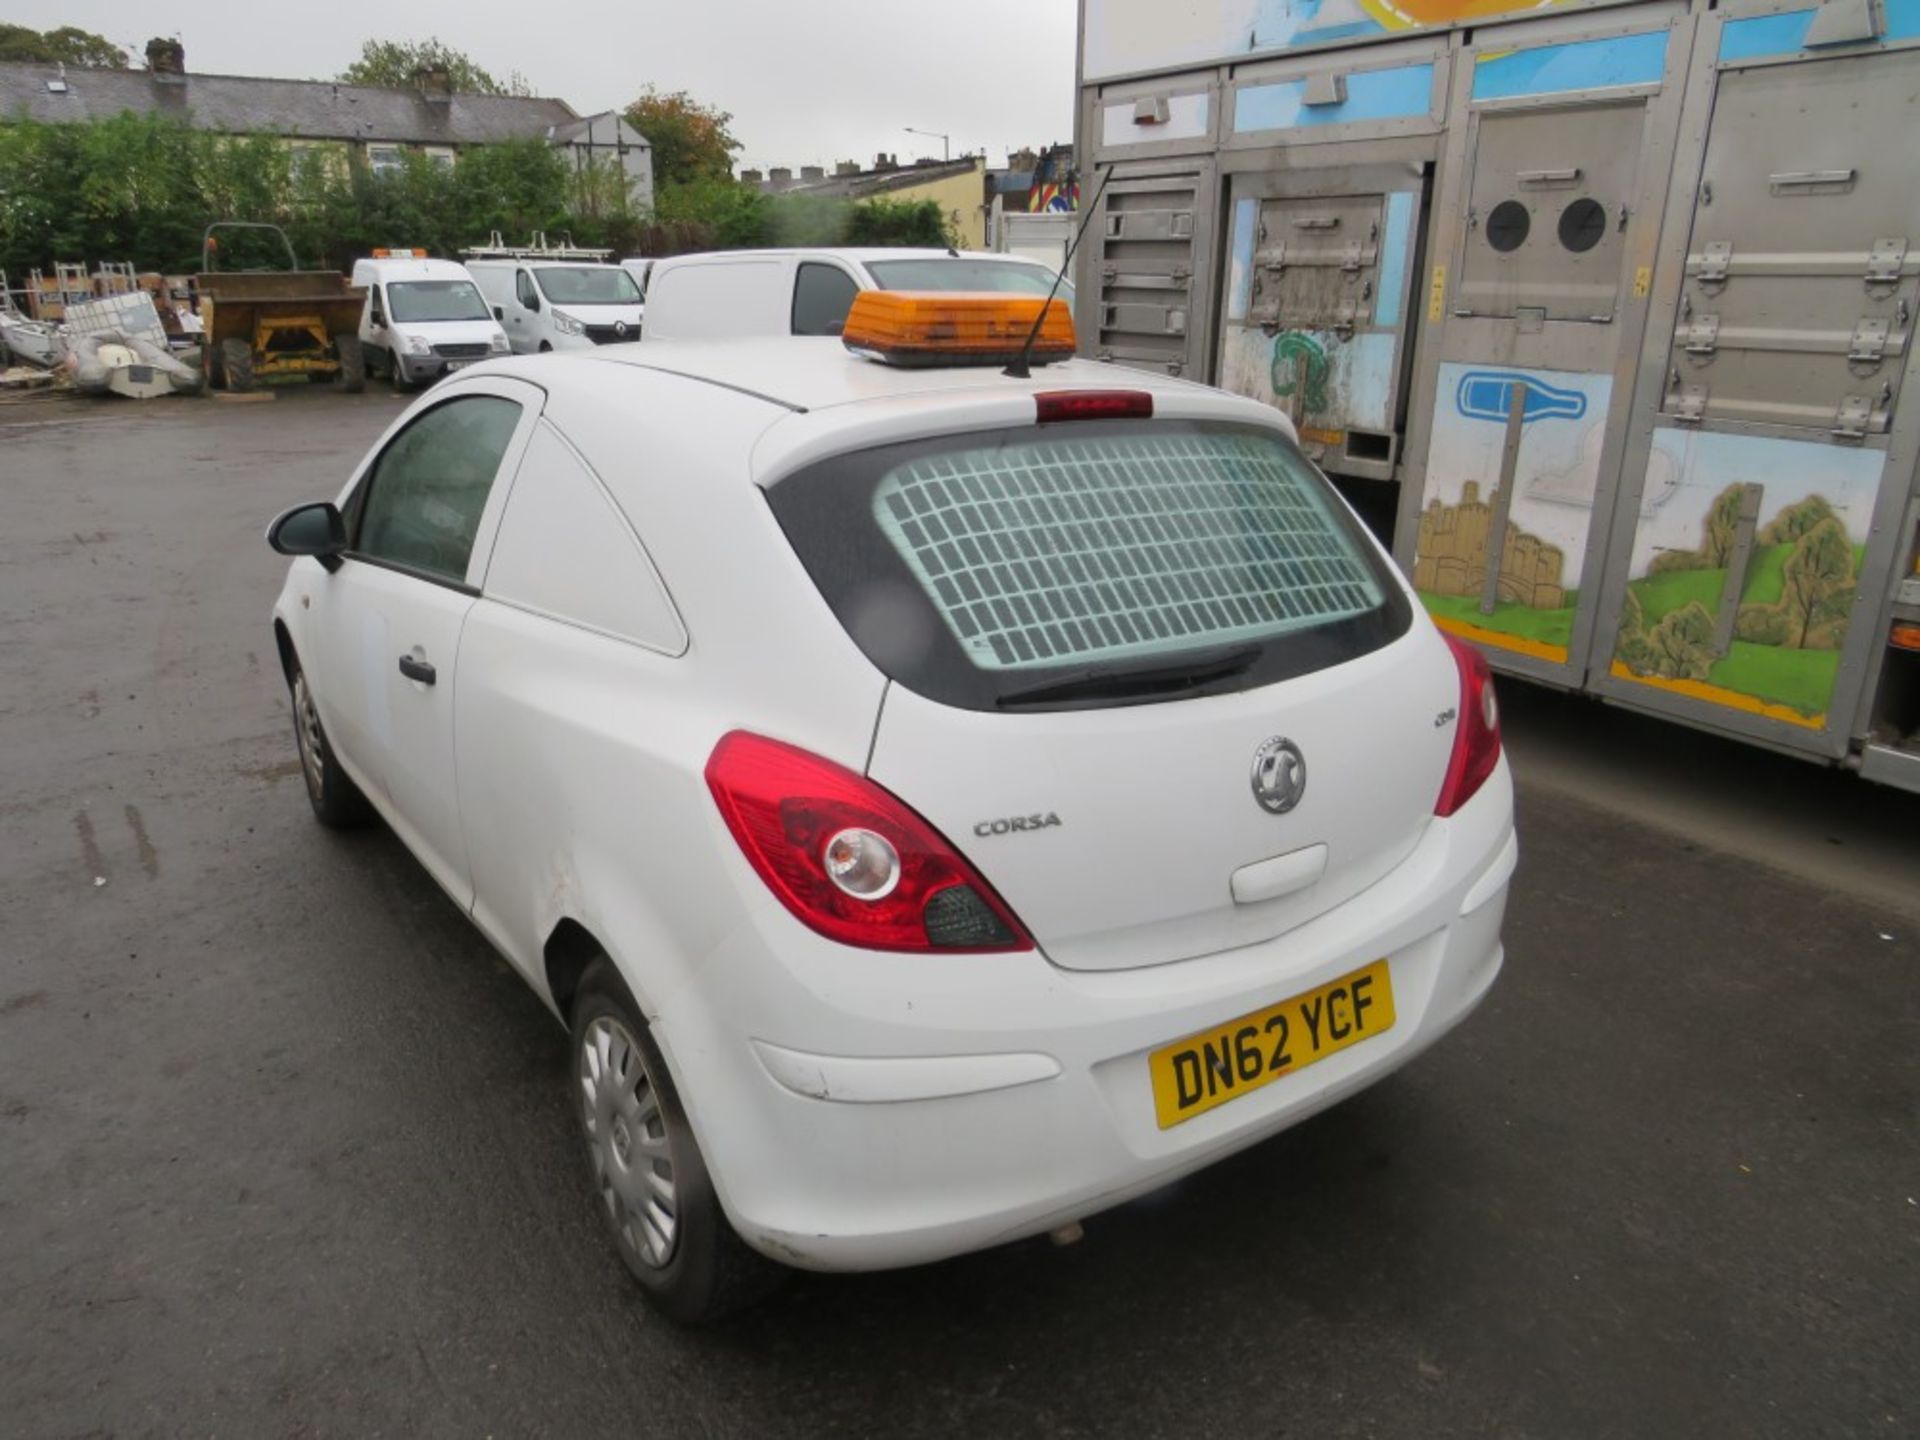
336,800
648,1174
236,364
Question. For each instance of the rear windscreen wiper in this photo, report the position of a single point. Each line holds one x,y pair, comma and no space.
1169,677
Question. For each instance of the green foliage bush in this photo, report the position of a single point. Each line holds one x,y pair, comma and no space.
1681,643
1761,625
1796,520
143,188
897,222
1667,562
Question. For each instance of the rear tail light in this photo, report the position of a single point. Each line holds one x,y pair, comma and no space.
1476,739
848,858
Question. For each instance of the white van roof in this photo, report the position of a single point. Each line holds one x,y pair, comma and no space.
500,262
859,254
387,269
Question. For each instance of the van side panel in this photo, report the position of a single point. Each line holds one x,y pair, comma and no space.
719,299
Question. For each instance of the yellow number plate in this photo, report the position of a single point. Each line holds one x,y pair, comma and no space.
1192,1076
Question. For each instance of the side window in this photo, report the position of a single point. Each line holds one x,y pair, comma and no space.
523,290
822,295
425,493
566,551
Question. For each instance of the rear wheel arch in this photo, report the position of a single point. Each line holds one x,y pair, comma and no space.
570,949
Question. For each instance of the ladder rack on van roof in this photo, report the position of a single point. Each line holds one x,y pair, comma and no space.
537,249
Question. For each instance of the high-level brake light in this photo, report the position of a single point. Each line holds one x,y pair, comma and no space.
1051,405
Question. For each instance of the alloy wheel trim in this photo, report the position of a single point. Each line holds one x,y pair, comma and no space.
627,1141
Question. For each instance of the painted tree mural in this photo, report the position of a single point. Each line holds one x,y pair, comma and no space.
1817,590
1819,587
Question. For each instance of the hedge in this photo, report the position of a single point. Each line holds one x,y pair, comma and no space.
143,189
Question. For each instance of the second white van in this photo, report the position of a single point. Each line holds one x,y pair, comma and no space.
735,294
423,319
560,304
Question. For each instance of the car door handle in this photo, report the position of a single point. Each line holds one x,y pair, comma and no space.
421,670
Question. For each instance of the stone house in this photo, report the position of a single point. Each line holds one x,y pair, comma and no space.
378,124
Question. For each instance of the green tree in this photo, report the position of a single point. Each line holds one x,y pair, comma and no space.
803,219
1666,562
1815,574
1761,625
1681,643
393,64
42,212
68,44
690,140
1796,520
1630,645
1722,524
736,216
516,188
1717,534
897,222
143,188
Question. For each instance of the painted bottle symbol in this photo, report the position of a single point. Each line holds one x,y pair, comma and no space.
1484,395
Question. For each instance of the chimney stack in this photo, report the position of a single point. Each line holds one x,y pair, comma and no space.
434,82
885,162
166,57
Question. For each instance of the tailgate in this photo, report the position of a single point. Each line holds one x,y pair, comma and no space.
1120,836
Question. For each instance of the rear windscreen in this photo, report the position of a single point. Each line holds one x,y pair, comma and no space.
971,566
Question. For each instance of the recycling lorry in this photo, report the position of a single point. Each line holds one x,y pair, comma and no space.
1599,310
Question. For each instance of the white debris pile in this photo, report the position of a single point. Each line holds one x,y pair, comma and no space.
112,361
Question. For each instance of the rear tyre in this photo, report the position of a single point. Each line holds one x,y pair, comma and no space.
545,348
236,359
353,363
648,1174
337,802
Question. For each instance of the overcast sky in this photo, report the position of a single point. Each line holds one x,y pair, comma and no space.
808,83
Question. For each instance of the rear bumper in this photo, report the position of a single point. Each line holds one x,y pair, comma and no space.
885,1110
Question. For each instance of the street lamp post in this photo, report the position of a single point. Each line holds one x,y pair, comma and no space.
946,141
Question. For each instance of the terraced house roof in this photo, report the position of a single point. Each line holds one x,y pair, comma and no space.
250,105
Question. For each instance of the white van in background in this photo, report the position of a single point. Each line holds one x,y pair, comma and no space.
640,267
732,294
560,304
423,318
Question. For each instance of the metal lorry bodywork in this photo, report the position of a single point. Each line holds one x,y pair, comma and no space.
1604,309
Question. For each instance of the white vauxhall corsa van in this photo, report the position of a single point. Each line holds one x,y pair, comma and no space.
560,304
423,318
999,795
